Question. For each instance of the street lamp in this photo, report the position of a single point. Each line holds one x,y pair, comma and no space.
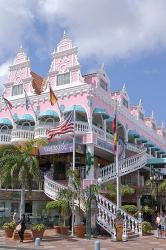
156,177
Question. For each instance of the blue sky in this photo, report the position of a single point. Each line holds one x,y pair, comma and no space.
129,36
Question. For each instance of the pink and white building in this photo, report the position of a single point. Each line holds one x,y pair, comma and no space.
143,142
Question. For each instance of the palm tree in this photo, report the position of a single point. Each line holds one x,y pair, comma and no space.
19,166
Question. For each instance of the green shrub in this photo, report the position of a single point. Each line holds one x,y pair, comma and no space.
148,210
38,227
9,225
131,209
146,227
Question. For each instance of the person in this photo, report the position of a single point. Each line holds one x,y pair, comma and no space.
15,217
162,225
158,225
119,226
22,222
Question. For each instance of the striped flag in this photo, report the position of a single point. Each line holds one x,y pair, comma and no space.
115,130
53,98
8,103
27,101
64,127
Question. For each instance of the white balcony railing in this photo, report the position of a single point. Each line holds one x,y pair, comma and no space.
5,138
22,135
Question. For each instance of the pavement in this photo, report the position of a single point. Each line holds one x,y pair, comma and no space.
58,242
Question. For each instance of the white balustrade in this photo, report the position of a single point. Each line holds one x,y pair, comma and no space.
81,127
5,138
100,132
126,166
52,188
21,135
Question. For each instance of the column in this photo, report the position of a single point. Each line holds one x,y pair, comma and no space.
90,170
105,129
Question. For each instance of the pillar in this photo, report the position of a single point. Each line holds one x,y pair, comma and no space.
105,129
90,170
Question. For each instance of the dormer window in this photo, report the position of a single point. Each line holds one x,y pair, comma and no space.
125,102
63,79
17,90
103,85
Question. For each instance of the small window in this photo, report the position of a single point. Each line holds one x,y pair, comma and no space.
63,79
103,85
141,116
125,103
17,90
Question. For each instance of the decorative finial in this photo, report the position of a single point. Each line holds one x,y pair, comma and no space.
152,115
124,88
65,35
140,103
162,125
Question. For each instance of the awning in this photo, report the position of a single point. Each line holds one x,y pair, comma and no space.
155,148
149,144
26,117
78,108
5,121
102,112
133,133
48,113
142,139
156,161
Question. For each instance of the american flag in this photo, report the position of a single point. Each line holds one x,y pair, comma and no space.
64,127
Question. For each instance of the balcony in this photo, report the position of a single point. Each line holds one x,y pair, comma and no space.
5,137
22,135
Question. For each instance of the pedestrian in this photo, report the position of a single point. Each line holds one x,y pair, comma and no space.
158,225
22,222
162,225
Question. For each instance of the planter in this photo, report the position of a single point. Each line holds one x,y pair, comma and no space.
37,234
57,229
9,232
80,230
64,230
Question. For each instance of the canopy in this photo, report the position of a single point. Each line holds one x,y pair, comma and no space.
142,139
77,108
156,161
155,148
5,121
133,133
48,113
150,144
102,112
26,117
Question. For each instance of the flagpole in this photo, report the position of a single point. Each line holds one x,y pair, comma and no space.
73,167
118,195
26,96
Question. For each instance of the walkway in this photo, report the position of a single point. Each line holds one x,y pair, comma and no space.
51,241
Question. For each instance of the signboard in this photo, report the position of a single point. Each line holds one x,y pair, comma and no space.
61,148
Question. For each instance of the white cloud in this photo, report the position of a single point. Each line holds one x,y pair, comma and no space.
109,28
4,73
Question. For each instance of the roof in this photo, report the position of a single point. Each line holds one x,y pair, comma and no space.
38,83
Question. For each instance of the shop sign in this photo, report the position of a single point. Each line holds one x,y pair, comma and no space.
61,148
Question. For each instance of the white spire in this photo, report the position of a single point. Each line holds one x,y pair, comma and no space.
140,103
65,36
162,125
152,115
124,88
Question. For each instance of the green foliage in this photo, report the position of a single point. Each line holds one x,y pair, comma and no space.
131,209
9,225
19,165
127,190
162,186
52,205
148,210
38,227
146,227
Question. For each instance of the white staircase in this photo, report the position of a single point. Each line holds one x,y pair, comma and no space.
107,209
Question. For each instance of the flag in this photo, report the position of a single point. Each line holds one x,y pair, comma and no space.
64,127
27,101
115,130
8,103
53,98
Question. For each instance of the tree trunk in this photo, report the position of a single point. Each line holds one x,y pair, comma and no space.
22,203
